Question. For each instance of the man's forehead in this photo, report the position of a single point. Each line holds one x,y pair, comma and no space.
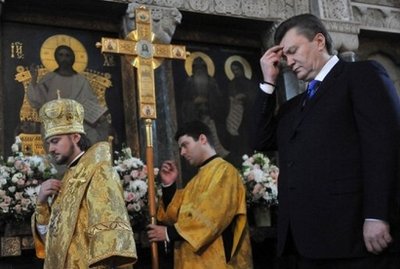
54,137
184,138
291,40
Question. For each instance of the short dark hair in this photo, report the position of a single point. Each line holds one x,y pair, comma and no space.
306,24
84,143
195,129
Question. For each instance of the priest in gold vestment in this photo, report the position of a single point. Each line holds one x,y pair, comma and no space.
80,221
206,221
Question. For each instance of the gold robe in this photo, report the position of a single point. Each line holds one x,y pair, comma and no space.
213,199
88,225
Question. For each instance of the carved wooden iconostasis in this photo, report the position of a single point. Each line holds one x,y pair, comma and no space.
27,45
219,80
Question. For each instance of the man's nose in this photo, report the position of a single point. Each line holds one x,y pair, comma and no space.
51,148
289,61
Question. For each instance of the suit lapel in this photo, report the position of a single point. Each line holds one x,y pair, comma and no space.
327,84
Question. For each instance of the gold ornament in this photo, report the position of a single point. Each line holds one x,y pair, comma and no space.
206,59
49,46
62,116
242,61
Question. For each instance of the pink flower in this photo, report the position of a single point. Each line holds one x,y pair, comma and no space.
258,191
135,174
25,202
18,209
4,206
18,165
21,182
274,173
7,199
130,207
18,196
258,188
251,176
129,197
142,174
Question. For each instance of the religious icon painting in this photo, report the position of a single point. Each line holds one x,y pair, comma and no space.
36,52
217,86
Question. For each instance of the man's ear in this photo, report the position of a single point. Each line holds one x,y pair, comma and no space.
203,139
76,137
320,38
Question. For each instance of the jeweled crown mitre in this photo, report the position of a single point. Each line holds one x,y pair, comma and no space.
62,116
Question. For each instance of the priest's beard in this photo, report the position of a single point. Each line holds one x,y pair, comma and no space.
63,159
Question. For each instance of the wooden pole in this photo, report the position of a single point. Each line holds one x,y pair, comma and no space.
142,53
151,188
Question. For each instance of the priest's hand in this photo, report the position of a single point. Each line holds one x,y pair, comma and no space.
156,233
168,173
376,235
48,188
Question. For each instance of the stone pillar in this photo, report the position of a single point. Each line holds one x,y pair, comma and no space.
341,24
348,56
292,85
164,22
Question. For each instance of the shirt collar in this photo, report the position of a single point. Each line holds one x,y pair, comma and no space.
75,160
208,160
327,67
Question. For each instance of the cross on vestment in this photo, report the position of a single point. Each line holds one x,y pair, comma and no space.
142,53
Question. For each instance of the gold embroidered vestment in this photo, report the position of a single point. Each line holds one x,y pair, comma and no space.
88,225
210,202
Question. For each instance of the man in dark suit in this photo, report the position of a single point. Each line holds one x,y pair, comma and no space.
338,153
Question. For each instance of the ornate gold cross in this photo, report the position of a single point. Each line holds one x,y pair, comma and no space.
142,53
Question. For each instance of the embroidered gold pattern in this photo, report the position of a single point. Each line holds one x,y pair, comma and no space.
118,224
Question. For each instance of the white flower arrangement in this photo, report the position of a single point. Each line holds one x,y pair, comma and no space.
260,178
20,179
133,174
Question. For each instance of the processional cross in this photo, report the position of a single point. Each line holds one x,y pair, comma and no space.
142,53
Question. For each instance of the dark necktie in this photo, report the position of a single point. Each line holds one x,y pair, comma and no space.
312,88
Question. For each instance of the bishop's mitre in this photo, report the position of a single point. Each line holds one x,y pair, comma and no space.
62,116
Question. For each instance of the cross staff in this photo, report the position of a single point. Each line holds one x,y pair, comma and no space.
142,53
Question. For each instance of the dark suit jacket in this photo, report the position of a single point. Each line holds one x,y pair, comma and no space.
338,158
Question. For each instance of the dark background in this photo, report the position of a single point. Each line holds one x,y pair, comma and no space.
32,38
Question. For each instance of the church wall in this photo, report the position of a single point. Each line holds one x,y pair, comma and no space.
218,28
344,19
